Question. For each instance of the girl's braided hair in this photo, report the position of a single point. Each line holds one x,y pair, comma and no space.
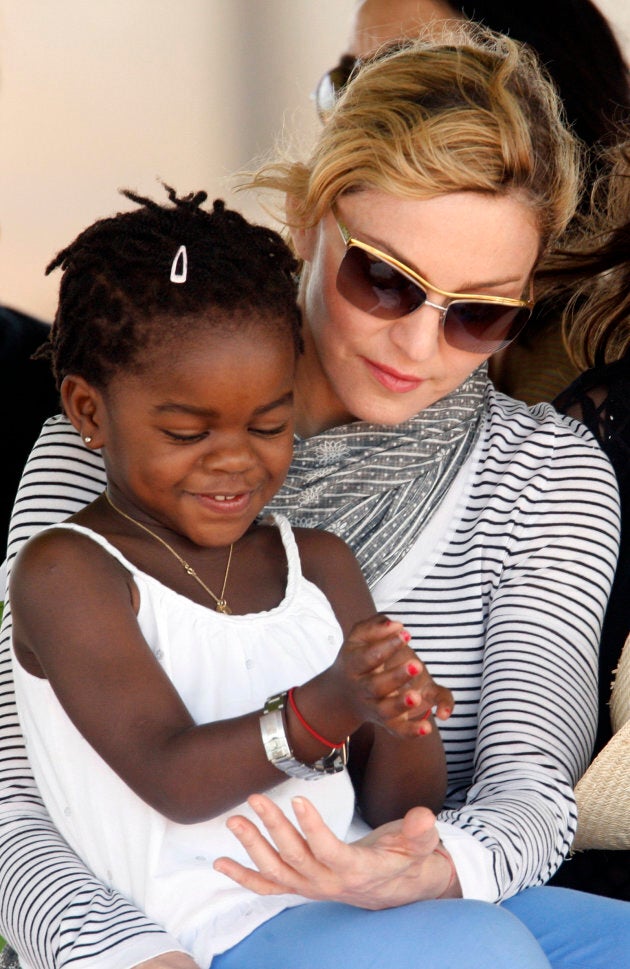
117,300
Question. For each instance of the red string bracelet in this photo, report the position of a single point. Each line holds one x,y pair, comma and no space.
307,726
438,851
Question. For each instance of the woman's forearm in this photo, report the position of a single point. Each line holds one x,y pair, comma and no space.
52,909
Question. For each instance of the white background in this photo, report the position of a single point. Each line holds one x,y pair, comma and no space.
101,94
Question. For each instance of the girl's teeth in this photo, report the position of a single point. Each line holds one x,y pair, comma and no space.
224,497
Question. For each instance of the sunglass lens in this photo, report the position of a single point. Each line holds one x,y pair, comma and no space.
479,327
375,287
332,84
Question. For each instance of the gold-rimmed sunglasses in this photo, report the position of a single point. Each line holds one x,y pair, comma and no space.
386,288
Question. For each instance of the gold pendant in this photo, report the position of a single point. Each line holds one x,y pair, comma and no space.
223,607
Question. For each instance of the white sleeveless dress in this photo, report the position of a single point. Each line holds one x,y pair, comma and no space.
222,666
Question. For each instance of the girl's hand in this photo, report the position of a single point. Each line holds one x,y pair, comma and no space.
381,679
393,865
169,960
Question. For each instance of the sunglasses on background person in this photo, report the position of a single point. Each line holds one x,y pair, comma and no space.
332,84
379,284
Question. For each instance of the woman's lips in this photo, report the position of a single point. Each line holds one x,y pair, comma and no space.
393,380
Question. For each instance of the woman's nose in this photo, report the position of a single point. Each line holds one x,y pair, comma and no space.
418,334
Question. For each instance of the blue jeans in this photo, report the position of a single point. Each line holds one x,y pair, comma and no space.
575,929
542,928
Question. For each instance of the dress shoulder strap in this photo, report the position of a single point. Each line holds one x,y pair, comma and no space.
290,550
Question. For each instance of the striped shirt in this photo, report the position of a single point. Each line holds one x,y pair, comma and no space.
504,594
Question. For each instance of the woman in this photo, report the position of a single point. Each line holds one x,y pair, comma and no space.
588,67
490,530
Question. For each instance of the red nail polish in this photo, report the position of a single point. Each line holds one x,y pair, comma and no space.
425,716
406,636
423,730
412,669
409,701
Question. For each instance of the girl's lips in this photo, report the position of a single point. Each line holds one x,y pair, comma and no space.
392,380
224,504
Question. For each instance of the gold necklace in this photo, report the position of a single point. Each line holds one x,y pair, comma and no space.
221,604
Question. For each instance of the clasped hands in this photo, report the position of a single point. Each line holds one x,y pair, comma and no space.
397,862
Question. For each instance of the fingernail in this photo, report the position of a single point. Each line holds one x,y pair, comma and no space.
405,636
409,701
423,730
298,805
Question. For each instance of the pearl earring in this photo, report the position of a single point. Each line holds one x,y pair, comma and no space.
87,440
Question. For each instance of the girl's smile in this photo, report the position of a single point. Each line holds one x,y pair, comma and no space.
201,439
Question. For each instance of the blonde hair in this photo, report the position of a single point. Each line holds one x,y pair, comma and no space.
472,111
596,322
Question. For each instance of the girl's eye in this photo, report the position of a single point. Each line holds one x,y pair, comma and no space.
269,431
185,438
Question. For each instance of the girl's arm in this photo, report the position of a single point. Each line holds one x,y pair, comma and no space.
391,772
75,622
52,909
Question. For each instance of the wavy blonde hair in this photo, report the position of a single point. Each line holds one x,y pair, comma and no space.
470,111
596,322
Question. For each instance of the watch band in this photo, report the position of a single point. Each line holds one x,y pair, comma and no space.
279,751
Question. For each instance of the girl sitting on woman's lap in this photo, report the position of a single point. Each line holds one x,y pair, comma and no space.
487,529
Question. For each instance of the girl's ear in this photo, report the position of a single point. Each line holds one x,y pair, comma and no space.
84,407
303,239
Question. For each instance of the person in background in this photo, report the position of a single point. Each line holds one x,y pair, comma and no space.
577,46
596,271
29,382
488,529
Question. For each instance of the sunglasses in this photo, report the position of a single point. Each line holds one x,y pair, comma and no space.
380,285
332,84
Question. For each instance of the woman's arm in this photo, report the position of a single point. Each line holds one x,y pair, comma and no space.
545,549
52,909
549,563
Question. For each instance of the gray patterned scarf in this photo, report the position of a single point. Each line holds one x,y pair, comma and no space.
377,486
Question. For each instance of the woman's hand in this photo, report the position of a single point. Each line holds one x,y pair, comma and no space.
393,865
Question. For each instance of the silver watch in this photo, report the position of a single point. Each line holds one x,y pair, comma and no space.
279,752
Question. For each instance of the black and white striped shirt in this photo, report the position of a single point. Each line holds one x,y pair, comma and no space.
505,599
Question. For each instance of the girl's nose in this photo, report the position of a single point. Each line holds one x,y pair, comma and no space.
234,456
418,334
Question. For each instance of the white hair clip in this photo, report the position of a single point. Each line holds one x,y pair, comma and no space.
179,269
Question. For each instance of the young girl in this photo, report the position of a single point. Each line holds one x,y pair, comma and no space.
176,653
